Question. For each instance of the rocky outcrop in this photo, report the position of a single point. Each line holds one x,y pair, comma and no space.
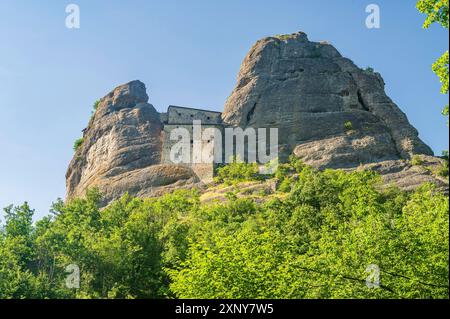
121,149
407,176
309,91
329,112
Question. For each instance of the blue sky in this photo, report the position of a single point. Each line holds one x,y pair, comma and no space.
187,53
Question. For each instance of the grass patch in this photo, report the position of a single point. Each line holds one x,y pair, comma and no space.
416,160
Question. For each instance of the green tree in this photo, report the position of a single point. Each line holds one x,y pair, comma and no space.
319,242
22,273
315,242
437,12
237,171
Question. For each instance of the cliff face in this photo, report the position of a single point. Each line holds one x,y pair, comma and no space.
121,151
309,91
329,113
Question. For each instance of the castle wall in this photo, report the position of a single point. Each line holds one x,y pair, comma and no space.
183,115
204,171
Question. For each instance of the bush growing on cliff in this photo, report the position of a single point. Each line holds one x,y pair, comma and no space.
77,144
315,243
95,105
94,108
348,126
443,171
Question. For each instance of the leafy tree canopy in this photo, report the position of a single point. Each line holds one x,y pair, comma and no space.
319,241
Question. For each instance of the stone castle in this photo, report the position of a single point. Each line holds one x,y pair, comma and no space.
329,113
183,117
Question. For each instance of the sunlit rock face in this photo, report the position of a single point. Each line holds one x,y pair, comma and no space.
329,112
122,147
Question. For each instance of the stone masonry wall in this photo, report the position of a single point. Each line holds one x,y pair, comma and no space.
184,115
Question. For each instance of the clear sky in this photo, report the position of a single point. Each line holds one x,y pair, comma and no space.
187,53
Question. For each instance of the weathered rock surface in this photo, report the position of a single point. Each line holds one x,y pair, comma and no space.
121,151
407,176
329,112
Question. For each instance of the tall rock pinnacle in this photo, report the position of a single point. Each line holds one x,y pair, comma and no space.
329,112
121,150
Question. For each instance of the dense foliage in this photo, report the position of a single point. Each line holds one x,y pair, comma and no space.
437,12
317,241
237,171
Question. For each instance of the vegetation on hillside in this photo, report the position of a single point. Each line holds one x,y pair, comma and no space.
237,171
320,241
